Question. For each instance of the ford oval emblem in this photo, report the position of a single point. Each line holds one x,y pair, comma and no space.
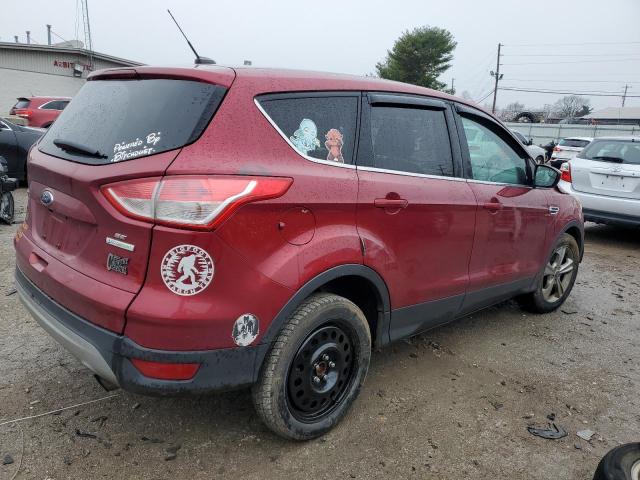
46,198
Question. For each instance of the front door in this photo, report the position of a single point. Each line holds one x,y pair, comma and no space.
512,218
415,213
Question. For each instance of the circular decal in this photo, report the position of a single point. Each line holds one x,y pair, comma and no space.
245,330
187,270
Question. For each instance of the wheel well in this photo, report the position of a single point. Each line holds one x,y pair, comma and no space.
575,233
361,292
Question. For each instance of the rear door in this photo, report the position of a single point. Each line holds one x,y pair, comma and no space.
513,217
608,167
114,129
415,214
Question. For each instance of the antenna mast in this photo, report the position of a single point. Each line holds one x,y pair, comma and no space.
199,60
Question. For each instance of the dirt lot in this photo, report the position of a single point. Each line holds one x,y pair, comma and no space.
453,403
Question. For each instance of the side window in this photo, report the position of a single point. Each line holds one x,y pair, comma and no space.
492,158
51,105
63,104
411,140
319,127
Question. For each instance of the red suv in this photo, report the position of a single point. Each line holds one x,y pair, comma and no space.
202,229
39,111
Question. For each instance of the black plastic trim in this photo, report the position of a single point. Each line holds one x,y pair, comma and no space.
411,101
381,336
609,218
220,370
414,319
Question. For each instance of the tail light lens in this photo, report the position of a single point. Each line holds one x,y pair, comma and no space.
23,112
191,201
565,172
556,149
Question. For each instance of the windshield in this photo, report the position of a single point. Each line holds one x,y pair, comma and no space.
116,120
620,151
573,142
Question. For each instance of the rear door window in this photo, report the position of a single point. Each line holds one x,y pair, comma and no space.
55,105
616,151
412,140
321,128
117,120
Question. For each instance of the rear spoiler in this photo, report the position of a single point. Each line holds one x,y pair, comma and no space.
223,76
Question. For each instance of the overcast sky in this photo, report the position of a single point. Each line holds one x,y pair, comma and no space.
350,36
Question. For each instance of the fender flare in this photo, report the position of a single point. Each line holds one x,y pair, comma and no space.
565,229
380,336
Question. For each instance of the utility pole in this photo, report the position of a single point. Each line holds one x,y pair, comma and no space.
48,34
624,95
28,36
452,90
498,77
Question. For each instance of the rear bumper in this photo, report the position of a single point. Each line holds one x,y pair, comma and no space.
108,354
603,208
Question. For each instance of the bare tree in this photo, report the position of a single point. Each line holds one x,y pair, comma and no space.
511,110
571,106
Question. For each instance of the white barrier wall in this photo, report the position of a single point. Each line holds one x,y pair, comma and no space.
543,133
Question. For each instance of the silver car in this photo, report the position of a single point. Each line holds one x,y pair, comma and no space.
605,178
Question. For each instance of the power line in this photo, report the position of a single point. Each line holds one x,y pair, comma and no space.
550,80
583,94
574,91
577,61
568,54
485,97
568,44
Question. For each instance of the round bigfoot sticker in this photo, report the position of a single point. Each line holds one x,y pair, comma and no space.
187,270
245,330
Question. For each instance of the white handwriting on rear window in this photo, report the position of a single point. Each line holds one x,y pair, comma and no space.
136,148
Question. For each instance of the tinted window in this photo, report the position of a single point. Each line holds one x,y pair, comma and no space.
22,103
572,142
619,151
127,119
55,105
321,127
411,140
492,158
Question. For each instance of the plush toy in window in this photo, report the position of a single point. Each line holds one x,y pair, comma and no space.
334,145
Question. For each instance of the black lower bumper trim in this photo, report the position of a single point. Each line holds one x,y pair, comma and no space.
611,218
220,370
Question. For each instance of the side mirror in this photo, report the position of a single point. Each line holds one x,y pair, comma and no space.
545,176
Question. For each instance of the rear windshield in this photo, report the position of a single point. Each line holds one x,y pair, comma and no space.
116,120
618,151
22,103
573,142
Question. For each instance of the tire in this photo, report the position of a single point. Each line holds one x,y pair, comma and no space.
552,286
338,327
6,208
621,463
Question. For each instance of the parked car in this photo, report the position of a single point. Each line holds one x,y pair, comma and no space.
568,148
39,111
236,233
605,178
15,142
536,152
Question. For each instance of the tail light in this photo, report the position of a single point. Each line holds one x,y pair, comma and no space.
565,172
191,201
23,112
556,149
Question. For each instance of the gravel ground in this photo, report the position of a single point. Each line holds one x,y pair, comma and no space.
452,403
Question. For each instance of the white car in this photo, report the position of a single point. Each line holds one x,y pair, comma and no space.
567,149
605,178
536,152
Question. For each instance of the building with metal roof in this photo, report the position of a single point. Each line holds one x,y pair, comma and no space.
615,116
58,70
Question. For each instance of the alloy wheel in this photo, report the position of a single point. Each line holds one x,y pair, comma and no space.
558,274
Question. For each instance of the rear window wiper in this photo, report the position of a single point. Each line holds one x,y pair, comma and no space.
607,158
70,146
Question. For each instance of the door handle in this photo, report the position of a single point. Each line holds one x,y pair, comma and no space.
392,203
493,206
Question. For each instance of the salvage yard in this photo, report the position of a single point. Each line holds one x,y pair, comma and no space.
452,403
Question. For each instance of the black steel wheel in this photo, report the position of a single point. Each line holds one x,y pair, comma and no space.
321,373
315,368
